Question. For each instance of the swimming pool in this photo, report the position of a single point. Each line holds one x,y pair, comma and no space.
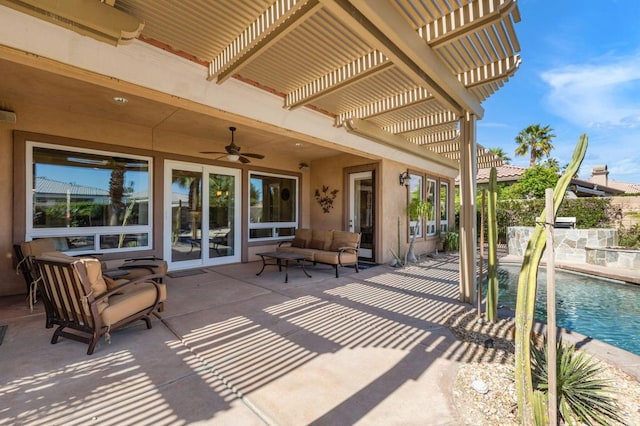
604,309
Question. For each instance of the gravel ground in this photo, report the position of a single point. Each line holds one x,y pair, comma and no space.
490,360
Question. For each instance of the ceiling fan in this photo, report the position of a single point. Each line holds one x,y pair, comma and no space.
232,151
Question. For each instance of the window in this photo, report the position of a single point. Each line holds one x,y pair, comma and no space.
90,201
273,206
431,199
444,207
415,196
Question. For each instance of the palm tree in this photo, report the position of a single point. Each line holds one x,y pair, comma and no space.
499,152
536,141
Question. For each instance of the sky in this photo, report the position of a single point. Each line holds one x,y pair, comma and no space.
580,73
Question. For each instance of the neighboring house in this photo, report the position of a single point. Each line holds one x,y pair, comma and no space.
50,192
342,95
600,176
510,174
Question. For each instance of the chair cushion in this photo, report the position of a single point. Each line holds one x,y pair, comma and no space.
140,297
38,247
111,284
94,273
58,255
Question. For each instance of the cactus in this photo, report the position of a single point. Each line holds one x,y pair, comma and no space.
525,304
492,225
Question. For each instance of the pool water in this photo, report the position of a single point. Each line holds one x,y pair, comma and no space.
603,309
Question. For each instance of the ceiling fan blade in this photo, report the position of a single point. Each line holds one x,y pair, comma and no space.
244,159
258,156
213,152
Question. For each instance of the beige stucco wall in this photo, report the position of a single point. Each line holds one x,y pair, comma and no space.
75,125
10,283
629,209
391,202
394,211
330,172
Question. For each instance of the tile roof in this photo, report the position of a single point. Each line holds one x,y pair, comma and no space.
49,186
505,173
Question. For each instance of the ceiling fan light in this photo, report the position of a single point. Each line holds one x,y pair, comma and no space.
233,157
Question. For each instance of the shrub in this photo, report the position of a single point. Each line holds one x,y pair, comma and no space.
582,395
629,237
589,213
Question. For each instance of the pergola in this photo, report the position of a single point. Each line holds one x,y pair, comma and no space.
411,74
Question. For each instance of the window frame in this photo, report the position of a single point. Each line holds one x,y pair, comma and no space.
96,232
274,226
431,224
444,208
419,223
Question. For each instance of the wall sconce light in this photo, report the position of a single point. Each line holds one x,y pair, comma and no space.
405,179
303,166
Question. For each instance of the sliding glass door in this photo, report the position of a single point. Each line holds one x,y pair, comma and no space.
201,215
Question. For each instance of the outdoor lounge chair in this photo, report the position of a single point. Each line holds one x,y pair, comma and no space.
122,270
83,306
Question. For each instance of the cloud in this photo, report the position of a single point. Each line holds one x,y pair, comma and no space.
598,95
618,150
493,125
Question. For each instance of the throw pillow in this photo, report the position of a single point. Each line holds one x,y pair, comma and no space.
298,242
316,244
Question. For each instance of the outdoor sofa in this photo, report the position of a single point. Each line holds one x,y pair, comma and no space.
335,248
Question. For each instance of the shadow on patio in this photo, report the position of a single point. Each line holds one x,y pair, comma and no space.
234,348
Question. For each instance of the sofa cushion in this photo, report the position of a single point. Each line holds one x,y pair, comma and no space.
299,242
325,236
306,252
331,257
316,244
304,234
344,239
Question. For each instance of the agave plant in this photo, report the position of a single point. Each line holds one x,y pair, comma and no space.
583,397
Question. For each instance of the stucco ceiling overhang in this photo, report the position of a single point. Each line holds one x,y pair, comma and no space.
407,68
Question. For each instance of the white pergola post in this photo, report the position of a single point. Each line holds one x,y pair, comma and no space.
468,169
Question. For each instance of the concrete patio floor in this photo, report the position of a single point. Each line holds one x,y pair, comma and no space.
235,348
240,349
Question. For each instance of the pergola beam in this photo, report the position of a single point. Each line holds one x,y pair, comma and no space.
278,20
380,24
490,73
469,18
445,117
433,138
353,72
383,106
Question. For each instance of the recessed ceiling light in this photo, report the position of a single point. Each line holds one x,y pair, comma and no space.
120,100
298,145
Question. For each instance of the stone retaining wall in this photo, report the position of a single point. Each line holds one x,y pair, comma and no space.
615,257
570,244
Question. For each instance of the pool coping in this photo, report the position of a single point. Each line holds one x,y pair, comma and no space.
617,357
631,276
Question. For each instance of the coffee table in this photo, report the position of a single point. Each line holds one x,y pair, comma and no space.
282,259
